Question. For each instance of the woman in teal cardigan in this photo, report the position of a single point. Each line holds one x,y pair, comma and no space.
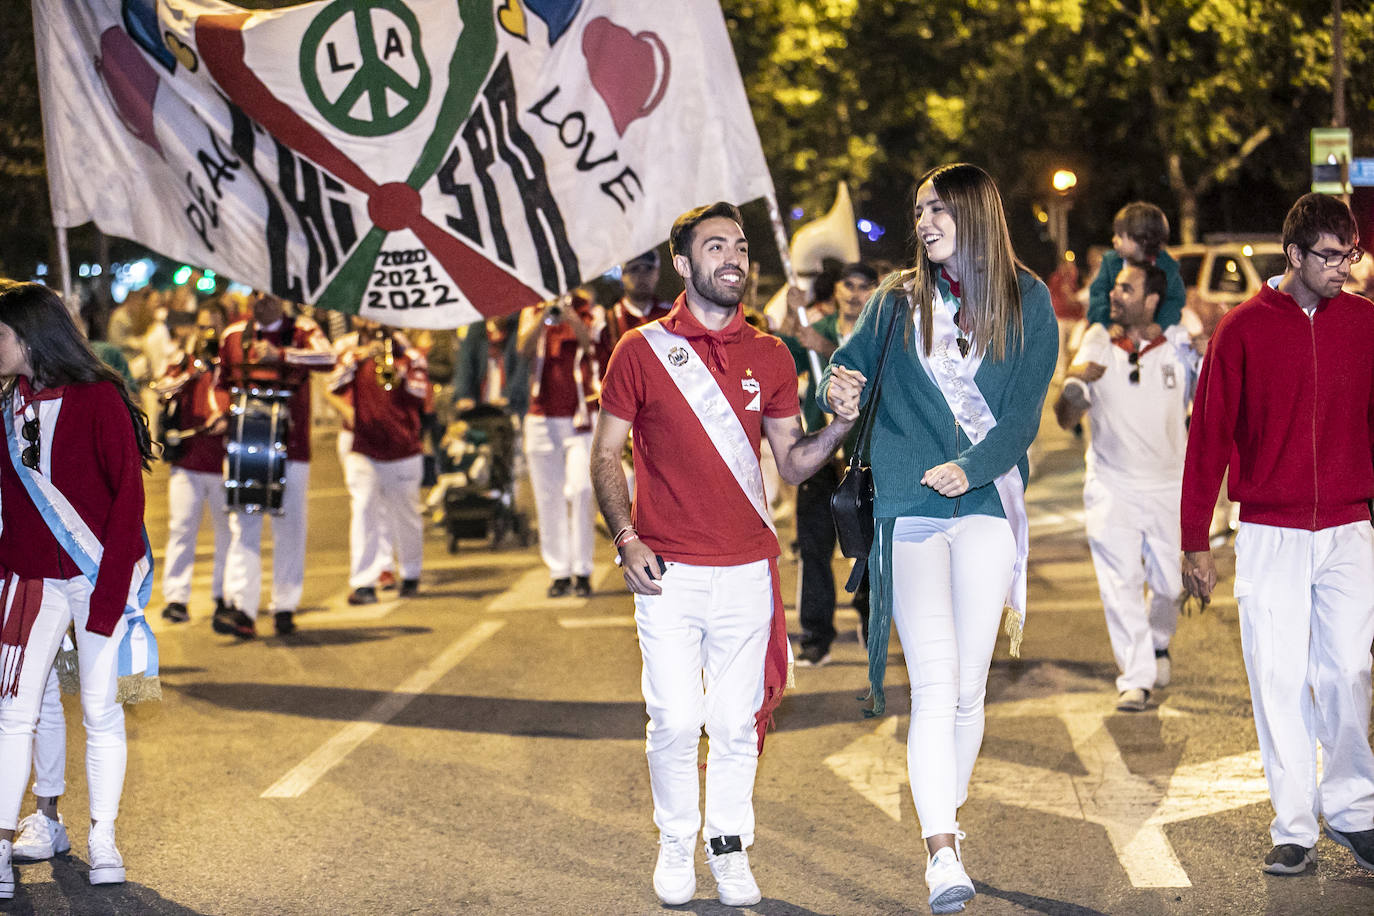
958,406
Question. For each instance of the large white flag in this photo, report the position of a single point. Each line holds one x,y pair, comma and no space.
421,162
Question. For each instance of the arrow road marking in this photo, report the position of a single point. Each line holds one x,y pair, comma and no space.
1132,809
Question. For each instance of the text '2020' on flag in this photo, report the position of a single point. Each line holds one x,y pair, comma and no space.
423,163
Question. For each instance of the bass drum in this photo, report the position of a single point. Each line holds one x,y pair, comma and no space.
255,460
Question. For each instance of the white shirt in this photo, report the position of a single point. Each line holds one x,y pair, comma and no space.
1139,432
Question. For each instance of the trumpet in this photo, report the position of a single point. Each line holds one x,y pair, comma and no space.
385,364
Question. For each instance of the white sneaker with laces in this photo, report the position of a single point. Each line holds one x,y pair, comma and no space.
6,870
675,875
735,884
107,866
950,887
40,837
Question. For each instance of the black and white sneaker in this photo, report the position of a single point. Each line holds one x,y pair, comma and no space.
812,657
176,612
1289,859
1359,842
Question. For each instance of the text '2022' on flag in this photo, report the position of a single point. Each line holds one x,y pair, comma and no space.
424,163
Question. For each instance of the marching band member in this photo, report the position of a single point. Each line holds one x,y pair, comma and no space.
639,305
272,346
381,389
72,552
567,343
193,431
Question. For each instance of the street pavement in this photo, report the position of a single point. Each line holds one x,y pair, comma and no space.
479,749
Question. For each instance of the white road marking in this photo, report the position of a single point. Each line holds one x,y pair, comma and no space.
1132,809
591,623
528,593
305,774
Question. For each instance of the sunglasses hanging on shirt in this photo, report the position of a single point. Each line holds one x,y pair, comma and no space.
29,456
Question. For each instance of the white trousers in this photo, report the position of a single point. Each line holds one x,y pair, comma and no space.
561,477
1134,537
1306,624
950,579
189,495
50,742
66,602
703,642
385,499
243,567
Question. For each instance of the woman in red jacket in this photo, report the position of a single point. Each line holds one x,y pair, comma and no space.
71,505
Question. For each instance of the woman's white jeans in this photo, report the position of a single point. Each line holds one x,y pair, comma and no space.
66,602
950,579
703,641
1306,623
559,459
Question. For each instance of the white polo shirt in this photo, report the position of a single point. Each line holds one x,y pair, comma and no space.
1139,431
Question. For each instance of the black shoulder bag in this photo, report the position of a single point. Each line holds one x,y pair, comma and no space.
851,505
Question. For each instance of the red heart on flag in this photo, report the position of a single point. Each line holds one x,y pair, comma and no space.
629,72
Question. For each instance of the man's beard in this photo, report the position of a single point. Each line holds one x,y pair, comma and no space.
707,288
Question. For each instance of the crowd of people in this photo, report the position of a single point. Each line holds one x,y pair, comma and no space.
657,414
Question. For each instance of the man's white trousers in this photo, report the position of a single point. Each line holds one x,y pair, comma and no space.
703,642
189,495
243,568
559,459
385,500
1133,533
1306,624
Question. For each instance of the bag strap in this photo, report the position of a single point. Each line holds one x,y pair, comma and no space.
871,408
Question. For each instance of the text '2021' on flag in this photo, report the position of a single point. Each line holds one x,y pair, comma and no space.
424,163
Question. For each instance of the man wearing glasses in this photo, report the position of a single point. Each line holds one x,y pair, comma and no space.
1286,399
1134,387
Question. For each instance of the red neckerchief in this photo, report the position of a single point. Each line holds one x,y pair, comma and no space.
683,323
27,396
1127,344
954,289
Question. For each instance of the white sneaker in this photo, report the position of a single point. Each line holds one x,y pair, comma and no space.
950,887
40,837
6,870
1133,699
735,884
107,866
1164,668
675,875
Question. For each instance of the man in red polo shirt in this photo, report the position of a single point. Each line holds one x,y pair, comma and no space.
1285,399
697,390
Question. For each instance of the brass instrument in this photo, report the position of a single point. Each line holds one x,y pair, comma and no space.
385,364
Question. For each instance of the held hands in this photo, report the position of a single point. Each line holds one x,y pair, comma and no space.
947,479
1199,574
846,386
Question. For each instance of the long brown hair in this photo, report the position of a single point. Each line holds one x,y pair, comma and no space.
983,258
57,351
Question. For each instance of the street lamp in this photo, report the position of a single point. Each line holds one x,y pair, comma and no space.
1063,181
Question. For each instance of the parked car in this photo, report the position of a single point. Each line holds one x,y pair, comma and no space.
1225,271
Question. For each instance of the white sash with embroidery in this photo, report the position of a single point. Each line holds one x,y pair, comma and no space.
713,410
954,376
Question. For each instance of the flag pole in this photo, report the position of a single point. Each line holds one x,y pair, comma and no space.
64,264
784,251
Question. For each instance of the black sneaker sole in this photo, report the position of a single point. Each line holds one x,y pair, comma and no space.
1339,837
